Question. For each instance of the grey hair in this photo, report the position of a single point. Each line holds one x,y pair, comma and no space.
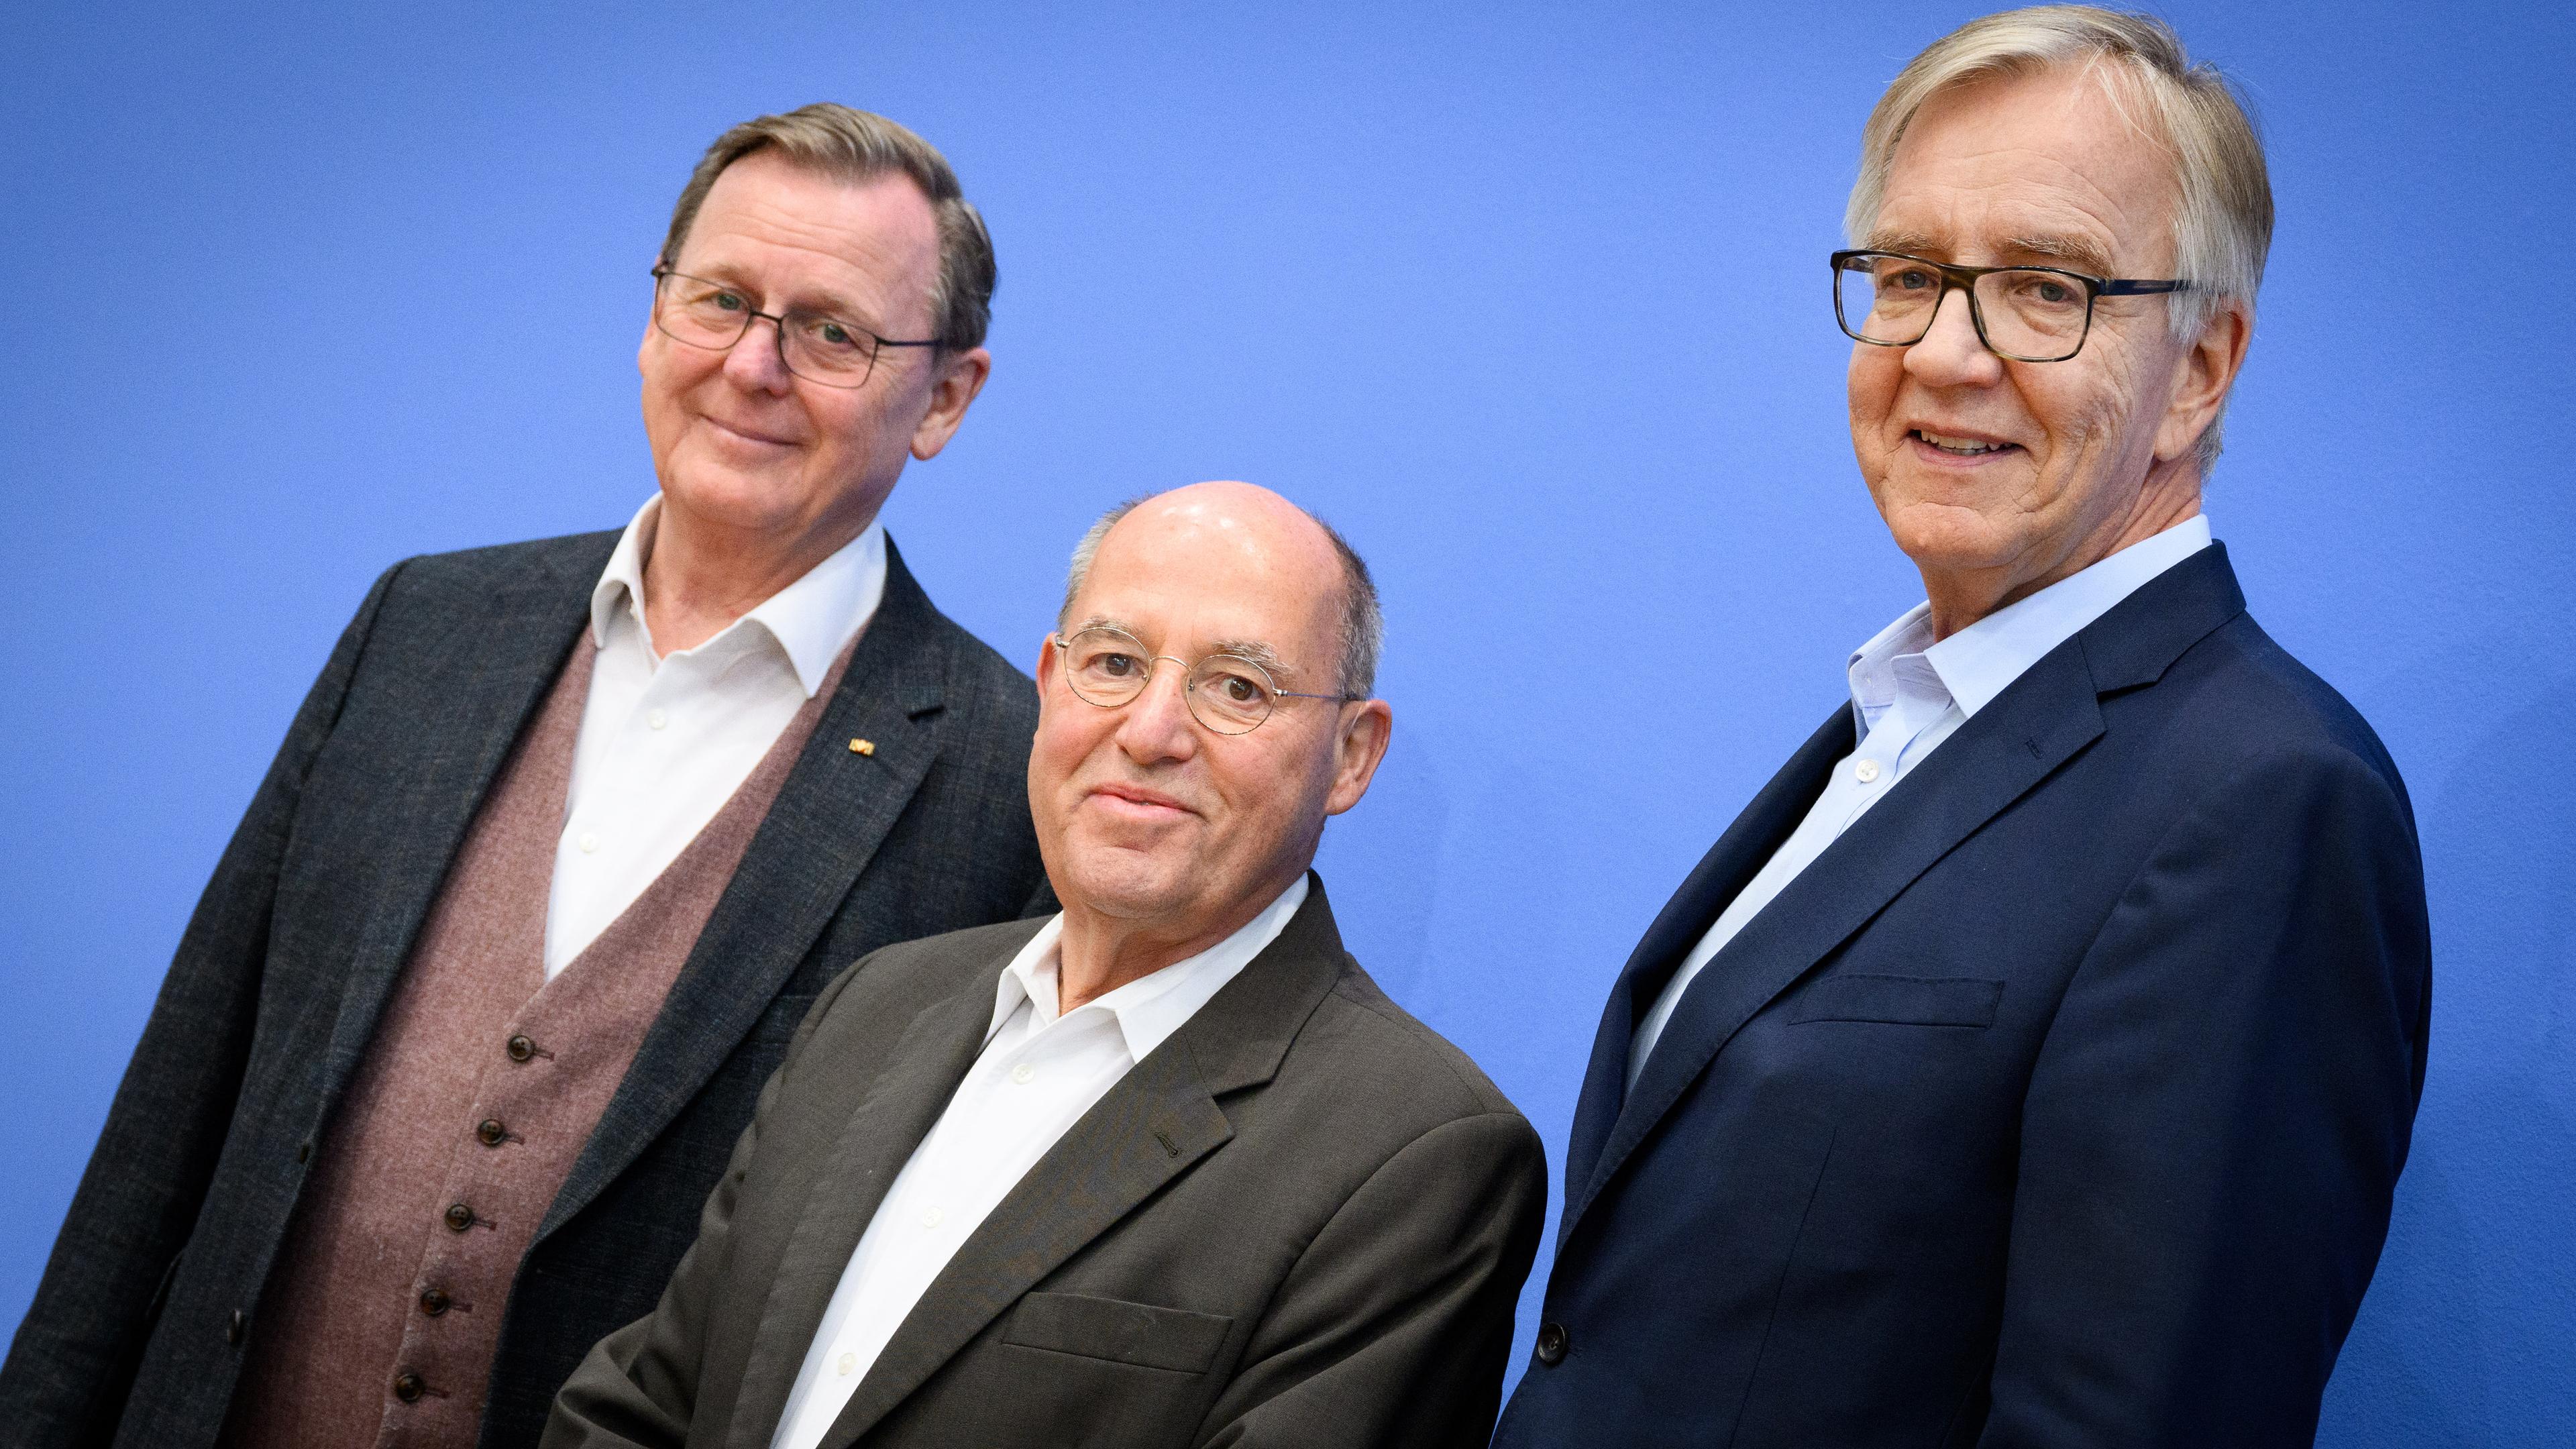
1363,622
861,146
2223,226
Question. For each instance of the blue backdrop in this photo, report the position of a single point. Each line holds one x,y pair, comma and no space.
1532,303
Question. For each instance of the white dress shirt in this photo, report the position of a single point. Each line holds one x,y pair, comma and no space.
1037,1075
1908,695
666,740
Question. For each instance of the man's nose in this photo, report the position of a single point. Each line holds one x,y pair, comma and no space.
1158,725
1951,354
757,361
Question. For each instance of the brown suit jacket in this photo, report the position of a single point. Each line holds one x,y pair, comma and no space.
1304,1219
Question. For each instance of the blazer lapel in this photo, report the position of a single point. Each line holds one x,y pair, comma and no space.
481,695
2045,717
1750,841
2036,725
1160,1120
825,826
921,1074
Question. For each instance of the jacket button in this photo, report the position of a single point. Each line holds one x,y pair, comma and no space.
490,1132
304,1151
233,1329
408,1387
1551,1344
433,1302
459,1217
521,1049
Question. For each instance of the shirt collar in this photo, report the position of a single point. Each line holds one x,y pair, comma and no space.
1150,1008
811,620
1981,661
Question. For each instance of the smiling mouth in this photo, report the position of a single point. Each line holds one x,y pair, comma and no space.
748,435
1961,447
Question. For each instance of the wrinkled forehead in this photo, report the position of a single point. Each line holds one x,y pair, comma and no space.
1199,582
2065,167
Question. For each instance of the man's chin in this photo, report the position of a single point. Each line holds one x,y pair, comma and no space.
1125,885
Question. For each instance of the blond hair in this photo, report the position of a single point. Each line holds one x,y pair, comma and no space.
2223,223
860,146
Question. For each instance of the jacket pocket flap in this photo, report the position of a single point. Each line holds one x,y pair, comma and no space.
1123,1332
1901,1000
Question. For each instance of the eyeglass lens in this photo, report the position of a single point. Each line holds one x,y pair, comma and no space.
2030,313
1228,694
712,315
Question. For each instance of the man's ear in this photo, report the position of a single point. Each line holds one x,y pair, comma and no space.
961,377
2203,374
1359,746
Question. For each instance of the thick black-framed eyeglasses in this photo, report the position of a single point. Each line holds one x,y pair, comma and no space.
815,346
1228,693
2027,314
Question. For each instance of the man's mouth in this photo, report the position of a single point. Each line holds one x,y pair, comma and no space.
1959,447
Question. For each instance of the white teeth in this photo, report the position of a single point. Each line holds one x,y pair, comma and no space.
1961,446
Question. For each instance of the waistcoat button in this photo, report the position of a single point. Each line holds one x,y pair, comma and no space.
1551,1344
521,1049
491,1133
408,1387
433,1302
460,1217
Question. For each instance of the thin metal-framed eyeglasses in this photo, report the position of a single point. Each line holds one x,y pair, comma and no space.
1228,693
815,346
2026,314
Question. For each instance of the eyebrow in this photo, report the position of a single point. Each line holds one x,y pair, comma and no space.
830,304
2076,253
1253,649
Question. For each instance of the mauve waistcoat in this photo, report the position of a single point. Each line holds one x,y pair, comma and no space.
478,1091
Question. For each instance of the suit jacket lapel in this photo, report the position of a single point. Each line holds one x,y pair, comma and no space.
825,826
1157,1123
482,702
2047,715
920,1075
1750,841
2052,711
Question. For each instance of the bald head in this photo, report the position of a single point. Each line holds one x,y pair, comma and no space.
1260,527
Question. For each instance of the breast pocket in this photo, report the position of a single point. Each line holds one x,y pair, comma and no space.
1900,1000
1140,1334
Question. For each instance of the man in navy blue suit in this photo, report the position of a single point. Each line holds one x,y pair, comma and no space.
2032,1062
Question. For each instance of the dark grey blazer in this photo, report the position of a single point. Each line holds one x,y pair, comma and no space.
1302,1220
152,1296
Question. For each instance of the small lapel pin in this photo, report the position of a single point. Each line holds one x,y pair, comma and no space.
863,747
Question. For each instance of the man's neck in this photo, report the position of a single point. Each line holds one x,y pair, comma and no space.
1096,954
1960,597
700,577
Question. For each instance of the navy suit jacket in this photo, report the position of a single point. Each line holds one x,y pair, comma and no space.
2057,1104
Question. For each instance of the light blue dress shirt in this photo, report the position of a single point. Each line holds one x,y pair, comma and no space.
1908,695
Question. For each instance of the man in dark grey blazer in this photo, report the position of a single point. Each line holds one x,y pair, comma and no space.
560,849
1167,1169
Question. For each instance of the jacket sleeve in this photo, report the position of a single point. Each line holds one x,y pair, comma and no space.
76,1352
2216,1121
1394,1325
638,1387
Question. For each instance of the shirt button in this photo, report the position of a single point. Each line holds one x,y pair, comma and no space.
1024,1074
459,1217
1867,770
589,844
520,1048
408,1387
490,1132
849,1363
657,719
1551,1344
931,1218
